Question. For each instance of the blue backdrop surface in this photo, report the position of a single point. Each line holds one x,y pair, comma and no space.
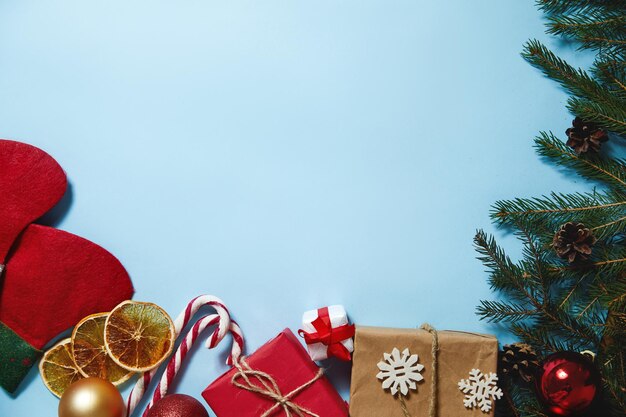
283,155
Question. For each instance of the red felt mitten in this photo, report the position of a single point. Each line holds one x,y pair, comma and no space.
51,278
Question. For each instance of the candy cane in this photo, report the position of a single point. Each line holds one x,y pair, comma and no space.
176,361
224,324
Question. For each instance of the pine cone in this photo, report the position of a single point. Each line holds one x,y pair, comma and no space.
519,360
573,242
585,136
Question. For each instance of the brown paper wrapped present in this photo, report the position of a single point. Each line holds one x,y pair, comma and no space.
387,377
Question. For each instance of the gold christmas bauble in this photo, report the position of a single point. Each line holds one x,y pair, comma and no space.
92,397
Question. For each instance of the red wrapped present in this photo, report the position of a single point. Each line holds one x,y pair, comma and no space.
278,380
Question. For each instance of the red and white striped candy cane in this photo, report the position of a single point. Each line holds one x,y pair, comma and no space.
176,361
224,324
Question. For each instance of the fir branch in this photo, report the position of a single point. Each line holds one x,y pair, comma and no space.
618,394
567,328
612,172
505,276
576,81
570,293
557,207
552,7
610,290
500,266
617,295
594,30
612,72
535,260
603,263
614,326
598,41
614,226
495,311
612,363
611,117
612,75
609,262
498,311
539,338
587,308
532,252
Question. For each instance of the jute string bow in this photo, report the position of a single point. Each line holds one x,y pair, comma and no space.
432,409
268,387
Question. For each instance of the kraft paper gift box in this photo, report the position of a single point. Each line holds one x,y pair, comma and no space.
459,353
281,366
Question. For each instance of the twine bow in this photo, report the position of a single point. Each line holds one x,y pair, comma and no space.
329,336
267,387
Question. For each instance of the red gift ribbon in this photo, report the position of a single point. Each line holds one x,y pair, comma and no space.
329,336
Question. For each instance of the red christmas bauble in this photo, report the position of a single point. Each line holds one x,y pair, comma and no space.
178,405
568,383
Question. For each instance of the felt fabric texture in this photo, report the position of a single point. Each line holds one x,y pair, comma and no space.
31,183
20,358
52,280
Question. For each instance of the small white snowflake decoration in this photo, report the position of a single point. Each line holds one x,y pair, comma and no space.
400,371
480,390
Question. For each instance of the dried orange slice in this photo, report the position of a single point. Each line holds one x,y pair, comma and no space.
138,336
57,368
91,356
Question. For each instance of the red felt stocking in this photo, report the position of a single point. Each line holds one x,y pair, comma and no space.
51,278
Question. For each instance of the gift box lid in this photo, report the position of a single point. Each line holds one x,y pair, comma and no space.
287,362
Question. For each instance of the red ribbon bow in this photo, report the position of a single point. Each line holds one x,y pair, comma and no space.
329,336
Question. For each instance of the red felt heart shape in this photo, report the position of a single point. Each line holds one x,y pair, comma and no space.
31,183
53,279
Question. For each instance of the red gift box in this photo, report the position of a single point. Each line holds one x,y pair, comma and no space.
279,379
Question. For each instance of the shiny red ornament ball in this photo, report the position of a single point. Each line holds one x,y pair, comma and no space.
568,383
178,405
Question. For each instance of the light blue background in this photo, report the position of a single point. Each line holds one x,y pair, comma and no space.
283,155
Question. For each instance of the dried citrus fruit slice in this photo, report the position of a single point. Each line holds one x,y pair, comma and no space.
91,356
138,336
57,368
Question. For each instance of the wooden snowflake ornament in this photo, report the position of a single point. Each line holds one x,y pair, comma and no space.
400,372
480,390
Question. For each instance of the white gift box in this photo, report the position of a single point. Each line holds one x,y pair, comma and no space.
338,318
